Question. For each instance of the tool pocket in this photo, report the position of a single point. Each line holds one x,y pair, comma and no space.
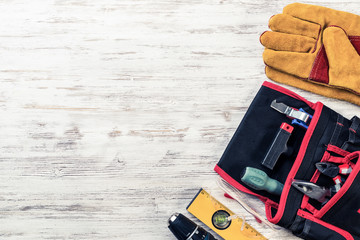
352,144
306,226
343,209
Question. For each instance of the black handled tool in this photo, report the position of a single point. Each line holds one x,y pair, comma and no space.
185,229
278,146
328,169
332,170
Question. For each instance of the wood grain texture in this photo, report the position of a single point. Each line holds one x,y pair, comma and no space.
114,113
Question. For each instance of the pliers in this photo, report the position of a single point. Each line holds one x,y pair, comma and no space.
312,190
332,170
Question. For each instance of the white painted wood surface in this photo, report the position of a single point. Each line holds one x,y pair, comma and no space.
114,113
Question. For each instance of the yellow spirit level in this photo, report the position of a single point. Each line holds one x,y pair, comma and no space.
216,216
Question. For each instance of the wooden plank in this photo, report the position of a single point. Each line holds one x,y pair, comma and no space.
114,113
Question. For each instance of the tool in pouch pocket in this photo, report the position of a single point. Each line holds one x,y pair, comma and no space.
312,190
259,180
332,170
300,117
279,144
319,193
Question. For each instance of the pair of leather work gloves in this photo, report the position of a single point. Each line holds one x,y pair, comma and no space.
316,49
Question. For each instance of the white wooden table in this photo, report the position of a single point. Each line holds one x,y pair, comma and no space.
114,113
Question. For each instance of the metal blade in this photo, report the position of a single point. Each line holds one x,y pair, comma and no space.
285,109
312,190
280,107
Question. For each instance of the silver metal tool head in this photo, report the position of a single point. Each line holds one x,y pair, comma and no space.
312,190
289,111
280,107
173,218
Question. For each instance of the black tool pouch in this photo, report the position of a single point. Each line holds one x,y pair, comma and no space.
329,137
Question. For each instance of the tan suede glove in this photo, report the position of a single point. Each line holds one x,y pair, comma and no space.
326,91
315,44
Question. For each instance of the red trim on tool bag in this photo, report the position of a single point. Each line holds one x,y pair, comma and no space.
337,150
297,163
339,160
271,204
349,181
340,231
234,183
305,203
268,206
311,208
268,211
287,127
344,168
288,92
337,179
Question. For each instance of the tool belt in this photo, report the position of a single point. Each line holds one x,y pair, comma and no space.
325,137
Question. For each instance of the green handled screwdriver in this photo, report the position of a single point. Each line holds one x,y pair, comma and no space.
259,180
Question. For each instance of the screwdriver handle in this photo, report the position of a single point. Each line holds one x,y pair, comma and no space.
259,180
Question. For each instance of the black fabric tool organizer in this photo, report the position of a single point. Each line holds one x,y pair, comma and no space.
330,137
